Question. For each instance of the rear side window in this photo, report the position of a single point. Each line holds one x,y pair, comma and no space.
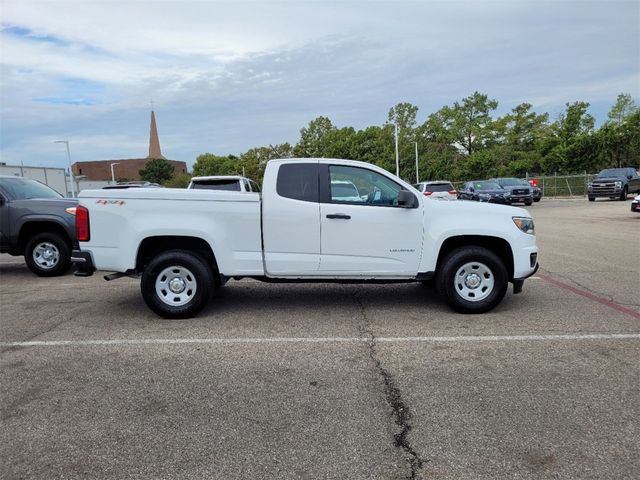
298,181
229,185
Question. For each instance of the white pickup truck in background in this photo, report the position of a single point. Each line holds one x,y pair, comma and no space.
304,227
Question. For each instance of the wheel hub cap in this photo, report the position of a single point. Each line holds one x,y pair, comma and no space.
177,285
472,281
46,255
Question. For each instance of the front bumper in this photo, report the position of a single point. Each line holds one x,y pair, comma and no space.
83,263
519,282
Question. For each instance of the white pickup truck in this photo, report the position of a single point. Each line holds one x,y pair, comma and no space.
304,228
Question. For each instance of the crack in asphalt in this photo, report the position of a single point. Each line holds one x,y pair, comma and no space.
401,412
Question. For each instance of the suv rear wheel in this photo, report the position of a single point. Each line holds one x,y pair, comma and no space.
48,254
472,279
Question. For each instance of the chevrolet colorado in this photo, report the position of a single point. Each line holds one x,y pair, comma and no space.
185,243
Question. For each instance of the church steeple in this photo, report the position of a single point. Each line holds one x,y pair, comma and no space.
154,141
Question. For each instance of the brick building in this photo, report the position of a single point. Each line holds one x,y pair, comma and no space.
127,168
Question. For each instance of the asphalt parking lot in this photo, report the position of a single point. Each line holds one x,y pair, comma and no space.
334,381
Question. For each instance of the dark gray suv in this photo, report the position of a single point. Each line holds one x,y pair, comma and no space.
37,222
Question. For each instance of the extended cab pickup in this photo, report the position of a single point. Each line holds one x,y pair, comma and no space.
302,228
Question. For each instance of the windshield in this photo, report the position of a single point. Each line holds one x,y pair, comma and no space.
24,189
613,173
509,182
486,186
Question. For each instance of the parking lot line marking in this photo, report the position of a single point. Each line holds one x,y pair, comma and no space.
590,296
251,340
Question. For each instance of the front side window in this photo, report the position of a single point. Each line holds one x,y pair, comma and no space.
361,186
298,181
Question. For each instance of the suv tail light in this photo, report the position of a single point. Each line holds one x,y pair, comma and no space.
452,192
427,193
83,234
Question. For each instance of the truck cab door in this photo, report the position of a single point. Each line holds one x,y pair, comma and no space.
291,220
364,230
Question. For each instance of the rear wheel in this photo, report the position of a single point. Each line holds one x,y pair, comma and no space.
472,279
48,254
592,199
177,284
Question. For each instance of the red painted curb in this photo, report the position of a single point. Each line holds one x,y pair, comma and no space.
589,295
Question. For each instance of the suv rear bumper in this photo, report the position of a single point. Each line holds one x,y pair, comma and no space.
83,263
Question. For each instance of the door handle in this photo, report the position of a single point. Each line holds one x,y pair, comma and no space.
340,216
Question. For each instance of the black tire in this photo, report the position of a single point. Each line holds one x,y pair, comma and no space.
48,254
528,202
447,275
190,270
536,200
592,199
624,194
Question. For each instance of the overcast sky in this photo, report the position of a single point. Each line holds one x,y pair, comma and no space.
227,76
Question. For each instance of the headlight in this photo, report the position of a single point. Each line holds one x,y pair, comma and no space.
525,224
70,210
618,184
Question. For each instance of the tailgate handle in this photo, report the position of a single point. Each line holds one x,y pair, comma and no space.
340,216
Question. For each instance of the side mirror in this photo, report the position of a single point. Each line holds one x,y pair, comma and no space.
406,199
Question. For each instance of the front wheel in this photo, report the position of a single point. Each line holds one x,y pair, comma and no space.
48,254
472,279
528,202
624,194
177,284
592,199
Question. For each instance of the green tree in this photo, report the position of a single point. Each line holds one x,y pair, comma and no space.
210,164
313,138
157,170
178,181
622,109
472,123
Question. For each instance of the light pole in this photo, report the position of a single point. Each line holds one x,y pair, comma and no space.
73,188
397,156
417,176
113,177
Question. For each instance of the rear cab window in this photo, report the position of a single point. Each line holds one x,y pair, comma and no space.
298,181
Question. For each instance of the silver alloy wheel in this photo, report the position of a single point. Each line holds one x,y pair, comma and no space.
46,255
176,286
474,281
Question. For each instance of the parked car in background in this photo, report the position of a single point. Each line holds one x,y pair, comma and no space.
519,190
133,184
437,189
635,205
536,192
484,191
614,183
37,222
232,183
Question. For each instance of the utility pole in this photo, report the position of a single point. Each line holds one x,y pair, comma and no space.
73,188
397,155
417,175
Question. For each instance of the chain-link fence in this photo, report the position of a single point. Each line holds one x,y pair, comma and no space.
563,185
